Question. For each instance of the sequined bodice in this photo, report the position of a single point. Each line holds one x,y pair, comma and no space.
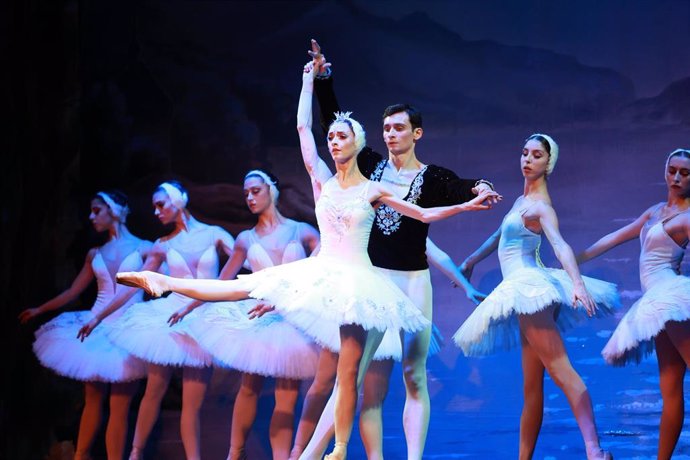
660,257
107,288
345,217
192,256
259,258
518,245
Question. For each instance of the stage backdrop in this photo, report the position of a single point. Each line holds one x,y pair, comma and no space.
127,94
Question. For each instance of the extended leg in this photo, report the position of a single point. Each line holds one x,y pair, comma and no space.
376,382
244,414
156,386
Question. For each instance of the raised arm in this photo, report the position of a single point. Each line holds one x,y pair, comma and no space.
441,260
482,252
564,253
615,238
80,283
380,192
317,169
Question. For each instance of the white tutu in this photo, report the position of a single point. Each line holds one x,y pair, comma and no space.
96,359
633,338
143,331
319,294
268,345
494,324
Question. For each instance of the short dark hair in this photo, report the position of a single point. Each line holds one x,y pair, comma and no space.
414,114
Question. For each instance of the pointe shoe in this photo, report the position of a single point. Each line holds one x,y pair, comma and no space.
339,452
151,282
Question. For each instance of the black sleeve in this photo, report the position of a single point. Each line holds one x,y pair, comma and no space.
328,104
367,161
450,189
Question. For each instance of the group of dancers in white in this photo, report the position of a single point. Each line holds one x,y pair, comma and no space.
339,307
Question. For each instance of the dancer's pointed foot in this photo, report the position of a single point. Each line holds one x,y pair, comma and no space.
152,282
599,454
339,452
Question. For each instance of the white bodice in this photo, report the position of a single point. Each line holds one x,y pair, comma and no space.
192,255
660,256
259,256
107,288
345,217
518,246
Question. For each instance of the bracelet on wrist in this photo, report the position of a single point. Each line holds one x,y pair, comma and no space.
484,181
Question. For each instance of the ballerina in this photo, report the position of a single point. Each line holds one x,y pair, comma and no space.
190,251
267,346
532,302
661,317
97,362
337,297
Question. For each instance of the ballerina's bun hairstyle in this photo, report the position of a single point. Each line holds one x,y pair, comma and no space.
269,179
355,126
117,202
176,192
551,148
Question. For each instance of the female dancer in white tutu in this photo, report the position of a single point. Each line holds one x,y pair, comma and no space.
532,302
338,290
662,316
267,346
97,362
189,251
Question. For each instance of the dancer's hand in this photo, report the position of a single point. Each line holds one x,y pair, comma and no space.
28,314
260,310
179,315
319,60
484,186
466,269
308,72
86,330
484,200
581,295
475,296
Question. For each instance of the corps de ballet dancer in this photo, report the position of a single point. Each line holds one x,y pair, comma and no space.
533,302
191,250
103,367
267,346
338,289
661,317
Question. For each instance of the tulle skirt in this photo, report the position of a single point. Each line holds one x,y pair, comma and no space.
319,294
95,359
268,345
634,336
494,325
143,331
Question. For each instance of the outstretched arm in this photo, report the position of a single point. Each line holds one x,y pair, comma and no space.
438,258
80,283
316,168
615,238
549,224
384,195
